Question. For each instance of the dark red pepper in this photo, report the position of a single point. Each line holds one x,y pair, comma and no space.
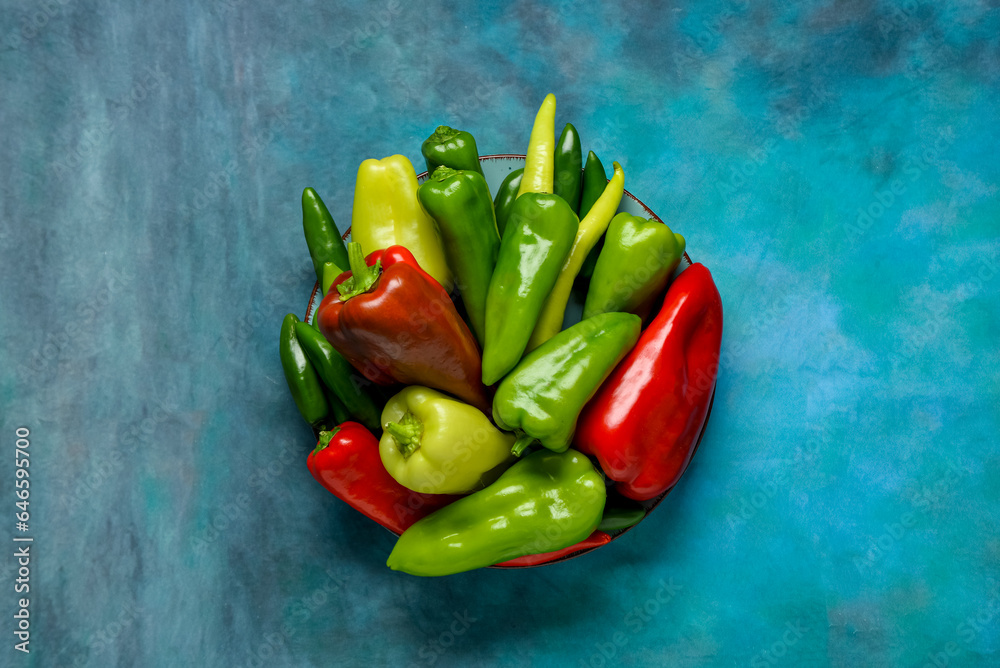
645,419
595,539
396,324
347,463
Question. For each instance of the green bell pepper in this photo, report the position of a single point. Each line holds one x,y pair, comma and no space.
540,233
635,266
594,181
435,444
544,502
460,203
453,148
506,195
568,163
543,396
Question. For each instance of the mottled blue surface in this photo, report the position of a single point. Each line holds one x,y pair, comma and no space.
834,162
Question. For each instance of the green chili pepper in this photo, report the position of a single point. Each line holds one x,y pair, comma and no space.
460,203
616,518
539,236
506,195
595,179
453,148
322,236
543,396
303,382
544,502
638,259
337,374
337,409
568,163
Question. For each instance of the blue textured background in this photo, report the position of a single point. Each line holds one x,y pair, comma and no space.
834,162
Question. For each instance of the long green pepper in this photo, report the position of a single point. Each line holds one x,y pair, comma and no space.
540,234
595,179
302,380
544,502
322,236
568,163
504,200
459,201
337,374
543,396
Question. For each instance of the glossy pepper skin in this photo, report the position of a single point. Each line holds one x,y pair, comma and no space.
596,539
567,167
459,201
644,421
346,462
448,147
543,395
539,236
338,375
396,324
504,200
638,258
540,158
438,445
544,502
595,179
387,213
593,225
302,380
322,236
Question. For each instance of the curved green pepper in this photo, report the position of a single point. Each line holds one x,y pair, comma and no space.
568,163
453,148
595,179
543,396
322,236
506,195
460,203
621,517
544,502
337,374
635,266
302,380
540,234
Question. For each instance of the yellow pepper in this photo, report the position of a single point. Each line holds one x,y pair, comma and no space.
387,213
591,228
539,163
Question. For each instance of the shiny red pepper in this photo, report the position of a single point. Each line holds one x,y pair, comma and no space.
645,419
396,324
346,462
595,539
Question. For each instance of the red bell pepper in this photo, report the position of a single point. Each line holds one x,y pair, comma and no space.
346,462
395,323
595,539
645,419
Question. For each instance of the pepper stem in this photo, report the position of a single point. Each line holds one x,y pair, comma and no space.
443,134
324,439
522,442
443,173
407,432
362,276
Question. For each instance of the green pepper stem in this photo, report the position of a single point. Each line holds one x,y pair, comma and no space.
442,173
522,442
324,439
443,133
407,432
362,276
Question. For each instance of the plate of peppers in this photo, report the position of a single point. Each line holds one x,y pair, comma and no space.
508,360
